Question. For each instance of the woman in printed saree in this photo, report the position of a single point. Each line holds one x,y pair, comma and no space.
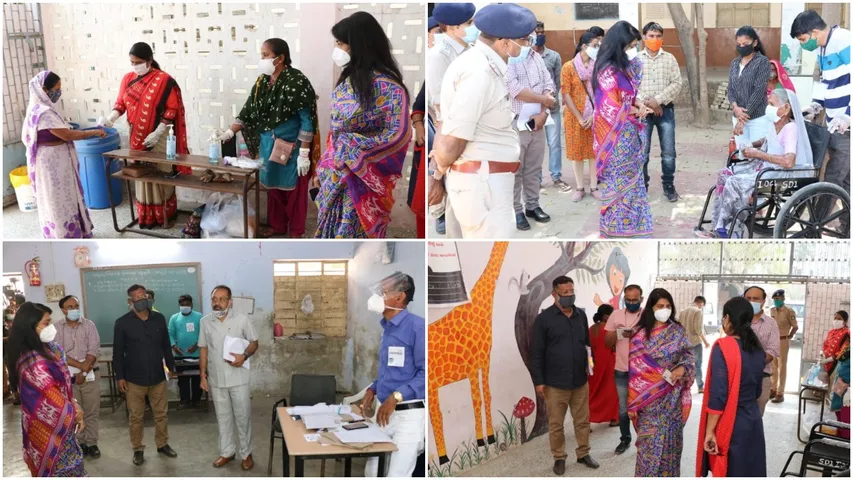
835,340
49,414
731,433
785,145
152,101
618,136
417,181
660,374
282,109
576,87
52,162
368,137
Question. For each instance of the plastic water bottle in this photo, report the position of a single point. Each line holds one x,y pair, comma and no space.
242,148
214,149
171,144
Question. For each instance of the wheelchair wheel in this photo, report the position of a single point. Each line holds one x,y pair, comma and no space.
816,211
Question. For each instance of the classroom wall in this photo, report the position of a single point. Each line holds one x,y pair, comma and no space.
514,287
247,267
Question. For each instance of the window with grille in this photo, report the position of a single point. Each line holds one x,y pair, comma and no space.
326,282
23,58
735,15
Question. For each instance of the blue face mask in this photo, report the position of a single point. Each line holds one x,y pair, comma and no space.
540,40
54,95
186,310
632,307
525,51
471,34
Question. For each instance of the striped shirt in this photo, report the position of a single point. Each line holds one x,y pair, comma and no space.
832,91
531,73
768,334
79,341
749,88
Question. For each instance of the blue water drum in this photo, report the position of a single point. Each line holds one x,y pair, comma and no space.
90,153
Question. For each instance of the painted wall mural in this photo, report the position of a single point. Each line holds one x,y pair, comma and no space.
482,400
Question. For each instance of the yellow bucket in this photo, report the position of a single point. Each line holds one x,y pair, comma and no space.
23,189
19,177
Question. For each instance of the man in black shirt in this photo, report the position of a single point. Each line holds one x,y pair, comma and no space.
559,365
140,344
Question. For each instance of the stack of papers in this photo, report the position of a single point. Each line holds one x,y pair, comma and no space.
90,377
320,408
371,434
235,345
317,421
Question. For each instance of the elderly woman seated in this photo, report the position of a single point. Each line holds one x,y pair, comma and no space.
785,146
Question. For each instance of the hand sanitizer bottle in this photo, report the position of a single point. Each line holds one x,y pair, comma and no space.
171,144
214,149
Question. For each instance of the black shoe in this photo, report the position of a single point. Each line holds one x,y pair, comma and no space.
138,458
182,405
670,193
521,223
167,451
624,445
84,448
94,451
197,404
440,227
588,461
559,467
538,214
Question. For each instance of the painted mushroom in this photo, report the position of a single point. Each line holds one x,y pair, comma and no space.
523,409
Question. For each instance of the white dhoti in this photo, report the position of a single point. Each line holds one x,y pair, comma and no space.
482,203
407,431
233,406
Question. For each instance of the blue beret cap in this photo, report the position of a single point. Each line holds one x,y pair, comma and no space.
431,23
453,13
779,293
505,20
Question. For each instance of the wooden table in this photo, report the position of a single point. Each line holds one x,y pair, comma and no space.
250,181
820,394
295,445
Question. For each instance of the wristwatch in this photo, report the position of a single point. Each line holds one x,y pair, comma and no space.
398,396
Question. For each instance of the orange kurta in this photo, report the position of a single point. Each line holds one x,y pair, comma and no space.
578,139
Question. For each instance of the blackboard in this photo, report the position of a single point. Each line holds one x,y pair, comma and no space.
596,11
105,291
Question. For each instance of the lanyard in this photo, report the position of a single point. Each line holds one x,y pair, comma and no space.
823,51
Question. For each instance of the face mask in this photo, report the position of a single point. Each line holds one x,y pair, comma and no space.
567,301
632,307
220,313
376,303
540,40
836,324
654,44
632,54
186,310
810,45
140,69
521,56
592,52
73,315
54,95
10,317
663,314
778,303
756,308
47,334
744,50
471,34
772,113
342,58
266,66
141,305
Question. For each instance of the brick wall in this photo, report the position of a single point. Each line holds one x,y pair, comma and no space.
683,291
329,294
822,301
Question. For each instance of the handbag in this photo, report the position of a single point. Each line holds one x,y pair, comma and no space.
281,151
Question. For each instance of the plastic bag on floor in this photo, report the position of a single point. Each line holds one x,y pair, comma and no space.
213,220
233,212
223,217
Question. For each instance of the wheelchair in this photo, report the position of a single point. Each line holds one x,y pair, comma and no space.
797,206
826,454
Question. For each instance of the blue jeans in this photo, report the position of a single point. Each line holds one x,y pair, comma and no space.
555,148
622,393
697,356
666,136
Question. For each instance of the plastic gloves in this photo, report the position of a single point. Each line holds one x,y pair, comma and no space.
228,134
154,136
303,163
812,110
114,115
839,124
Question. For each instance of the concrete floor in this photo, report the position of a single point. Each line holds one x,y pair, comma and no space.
700,154
533,459
192,433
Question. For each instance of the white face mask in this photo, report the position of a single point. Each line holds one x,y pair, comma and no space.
772,113
632,54
836,324
220,313
663,314
10,317
47,334
140,69
266,66
592,52
756,308
376,303
341,57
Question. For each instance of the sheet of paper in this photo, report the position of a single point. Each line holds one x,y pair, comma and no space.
90,377
371,434
549,121
527,111
73,370
235,345
319,408
312,437
317,421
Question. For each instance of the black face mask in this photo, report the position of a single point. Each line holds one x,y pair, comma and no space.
744,50
632,307
568,301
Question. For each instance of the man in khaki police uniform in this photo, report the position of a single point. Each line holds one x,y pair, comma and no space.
786,319
478,149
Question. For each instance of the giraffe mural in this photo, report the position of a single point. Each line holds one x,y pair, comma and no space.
460,347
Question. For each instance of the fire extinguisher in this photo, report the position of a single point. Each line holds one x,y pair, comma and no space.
32,268
278,330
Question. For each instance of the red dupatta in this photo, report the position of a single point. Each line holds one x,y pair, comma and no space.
148,100
782,77
718,464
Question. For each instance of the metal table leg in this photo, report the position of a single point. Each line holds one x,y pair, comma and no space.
246,206
285,459
348,467
300,467
380,472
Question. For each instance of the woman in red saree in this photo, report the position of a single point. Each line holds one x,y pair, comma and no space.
779,78
731,433
417,182
835,339
603,401
49,414
152,101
